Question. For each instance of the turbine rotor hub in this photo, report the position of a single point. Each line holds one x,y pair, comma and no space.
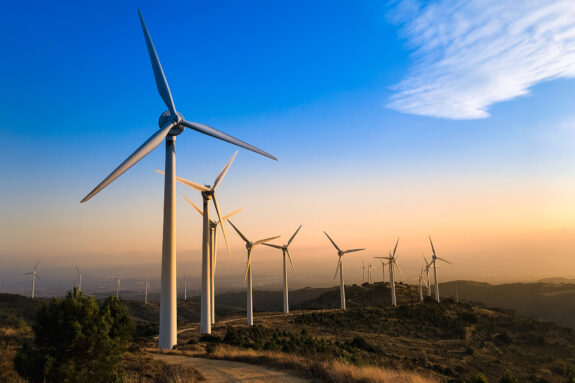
167,117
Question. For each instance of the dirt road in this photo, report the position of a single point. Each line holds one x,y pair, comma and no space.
224,371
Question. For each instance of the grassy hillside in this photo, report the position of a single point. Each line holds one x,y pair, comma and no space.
550,301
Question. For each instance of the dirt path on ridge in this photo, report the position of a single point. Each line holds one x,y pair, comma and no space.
224,371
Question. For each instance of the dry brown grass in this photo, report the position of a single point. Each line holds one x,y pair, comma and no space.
328,370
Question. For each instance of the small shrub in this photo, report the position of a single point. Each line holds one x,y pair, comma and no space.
479,378
508,377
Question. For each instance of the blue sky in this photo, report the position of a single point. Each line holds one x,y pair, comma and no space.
366,105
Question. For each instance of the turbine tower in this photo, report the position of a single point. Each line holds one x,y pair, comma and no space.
79,277
383,263
339,267
369,280
146,288
392,259
117,278
434,258
248,274
34,276
213,253
285,251
427,267
363,270
171,124
420,284
208,193
185,289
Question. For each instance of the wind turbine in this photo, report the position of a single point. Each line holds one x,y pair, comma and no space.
34,276
369,273
146,288
339,267
285,251
117,279
456,295
392,259
427,267
79,274
213,253
383,263
420,284
208,193
434,258
171,124
248,274
185,289
363,270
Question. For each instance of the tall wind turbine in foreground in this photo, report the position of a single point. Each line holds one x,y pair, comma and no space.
34,276
213,253
171,124
79,277
339,267
392,259
434,258
208,193
285,251
248,275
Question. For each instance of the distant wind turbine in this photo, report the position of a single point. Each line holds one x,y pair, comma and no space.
363,270
420,284
392,259
248,274
34,276
285,251
208,193
213,253
185,289
146,288
434,258
171,124
339,267
383,263
427,267
369,280
117,279
79,278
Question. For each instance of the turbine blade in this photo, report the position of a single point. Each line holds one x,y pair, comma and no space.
239,232
222,226
36,265
189,183
352,251
266,240
226,217
248,265
28,273
194,205
425,259
140,153
272,245
224,137
432,248
220,176
444,260
395,248
337,268
291,261
294,234
161,82
332,242
398,269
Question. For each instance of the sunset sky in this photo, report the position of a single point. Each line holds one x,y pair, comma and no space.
447,118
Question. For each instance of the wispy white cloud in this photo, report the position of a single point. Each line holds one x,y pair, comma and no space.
470,54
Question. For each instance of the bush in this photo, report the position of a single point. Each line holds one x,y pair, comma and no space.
508,377
76,341
479,378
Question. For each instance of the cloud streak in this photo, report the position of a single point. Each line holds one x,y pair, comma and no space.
470,54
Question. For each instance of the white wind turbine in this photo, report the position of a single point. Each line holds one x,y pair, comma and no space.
208,193
213,252
369,280
171,124
420,284
117,279
363,270
79,278
383,263
285,250
434,258
427,267
392,259
146,288
248,274
185,289
34,276
339,267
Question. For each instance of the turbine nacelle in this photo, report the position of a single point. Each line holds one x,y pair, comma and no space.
167,117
